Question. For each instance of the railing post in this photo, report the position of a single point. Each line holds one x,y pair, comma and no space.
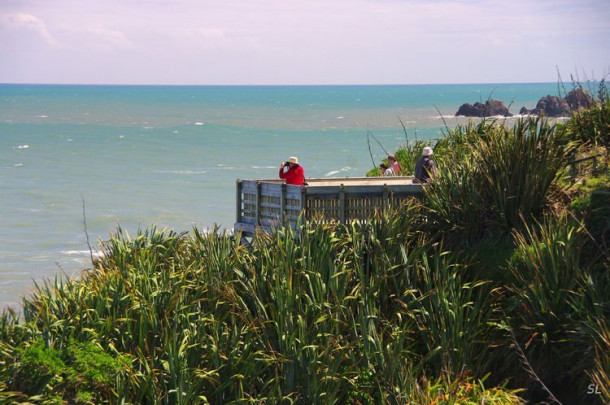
258,203
303,201
238,201
385,197
283,204
342,203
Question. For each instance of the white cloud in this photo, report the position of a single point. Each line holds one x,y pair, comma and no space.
24,24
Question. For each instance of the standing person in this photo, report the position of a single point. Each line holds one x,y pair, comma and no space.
295,173
425,167
394,165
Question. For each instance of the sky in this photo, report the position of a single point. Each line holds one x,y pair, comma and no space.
302,42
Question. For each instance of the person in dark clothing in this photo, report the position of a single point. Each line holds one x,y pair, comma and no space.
425,168
295,173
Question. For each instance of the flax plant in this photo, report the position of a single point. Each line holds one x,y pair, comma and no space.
455,318
457,210
494,177
517,168
552,295
600,374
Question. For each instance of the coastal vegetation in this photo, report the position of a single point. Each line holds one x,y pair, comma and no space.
493,288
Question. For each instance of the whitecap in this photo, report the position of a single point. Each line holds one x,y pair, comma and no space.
340,117
199,123
23,146
81,256
263,167
342,170
75,252
42,116
18,165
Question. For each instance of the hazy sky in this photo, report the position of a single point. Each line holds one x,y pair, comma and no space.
302,41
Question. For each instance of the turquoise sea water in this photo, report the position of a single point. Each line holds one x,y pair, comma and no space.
169,156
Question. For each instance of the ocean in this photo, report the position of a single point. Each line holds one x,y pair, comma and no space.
78,161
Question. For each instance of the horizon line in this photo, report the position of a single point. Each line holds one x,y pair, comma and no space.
272,85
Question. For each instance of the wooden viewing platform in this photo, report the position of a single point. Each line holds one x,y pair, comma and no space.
267,204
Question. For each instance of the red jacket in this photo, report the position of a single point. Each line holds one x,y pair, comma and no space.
294,175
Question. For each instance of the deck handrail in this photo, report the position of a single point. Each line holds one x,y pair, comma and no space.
269,203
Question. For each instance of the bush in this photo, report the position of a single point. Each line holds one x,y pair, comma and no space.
38,369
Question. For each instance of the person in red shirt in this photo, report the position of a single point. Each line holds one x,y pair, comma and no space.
295,173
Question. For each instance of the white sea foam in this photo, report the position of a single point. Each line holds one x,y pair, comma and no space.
199,124
77,252
22,146
18,165
342,170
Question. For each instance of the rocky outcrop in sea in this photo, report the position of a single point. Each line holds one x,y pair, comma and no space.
491,108
548,106
555,106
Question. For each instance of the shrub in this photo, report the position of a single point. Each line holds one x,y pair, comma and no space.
37,367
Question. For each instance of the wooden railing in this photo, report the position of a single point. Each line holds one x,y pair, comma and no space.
268,204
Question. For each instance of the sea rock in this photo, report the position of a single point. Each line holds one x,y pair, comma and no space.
489,109
578,99
549,106
555,106
471,110
552,106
